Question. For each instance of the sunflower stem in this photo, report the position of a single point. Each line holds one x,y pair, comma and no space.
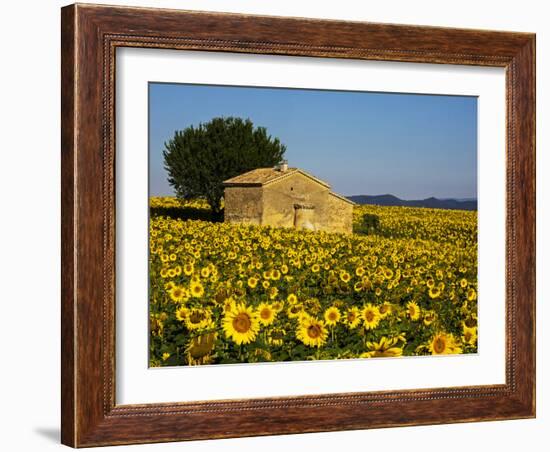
241,357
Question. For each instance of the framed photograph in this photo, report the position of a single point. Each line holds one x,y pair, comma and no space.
281,225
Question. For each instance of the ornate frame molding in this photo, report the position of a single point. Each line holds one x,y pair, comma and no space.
90,36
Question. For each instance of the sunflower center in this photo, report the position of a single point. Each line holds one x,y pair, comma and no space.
383,309
439,345
265,313
196,317
369,316
313,331
332,316
241,323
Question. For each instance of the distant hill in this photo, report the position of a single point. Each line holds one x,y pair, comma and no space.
432,203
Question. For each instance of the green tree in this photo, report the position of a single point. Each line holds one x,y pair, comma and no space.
199,159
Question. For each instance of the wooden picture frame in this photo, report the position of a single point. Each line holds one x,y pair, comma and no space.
90,35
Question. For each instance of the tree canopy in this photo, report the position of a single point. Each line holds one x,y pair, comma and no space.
198,159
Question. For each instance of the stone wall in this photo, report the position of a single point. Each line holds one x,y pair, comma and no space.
339,215
243,205
279,199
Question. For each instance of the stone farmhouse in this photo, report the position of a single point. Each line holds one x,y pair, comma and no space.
286,197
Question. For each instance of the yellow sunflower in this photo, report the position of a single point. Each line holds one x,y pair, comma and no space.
384,348
302,316
199,349
295,310
472,295
196,289
385,309
179,294
332,316
228,304
471,321
292,299
169,285
371,316
314,305
429,317
413,310
182,313
252,282
469,335
266,314
188,269
352,317
358,286
444,344
345,276
241,324
273,292
312,332
197,318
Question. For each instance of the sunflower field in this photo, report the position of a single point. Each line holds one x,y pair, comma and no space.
224,293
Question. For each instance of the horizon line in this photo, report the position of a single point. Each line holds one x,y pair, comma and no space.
445,198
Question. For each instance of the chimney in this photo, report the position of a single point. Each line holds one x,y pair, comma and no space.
283,166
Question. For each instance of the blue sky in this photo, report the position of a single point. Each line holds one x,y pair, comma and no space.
412,146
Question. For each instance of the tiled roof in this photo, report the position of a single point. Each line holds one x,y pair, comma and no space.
264,176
